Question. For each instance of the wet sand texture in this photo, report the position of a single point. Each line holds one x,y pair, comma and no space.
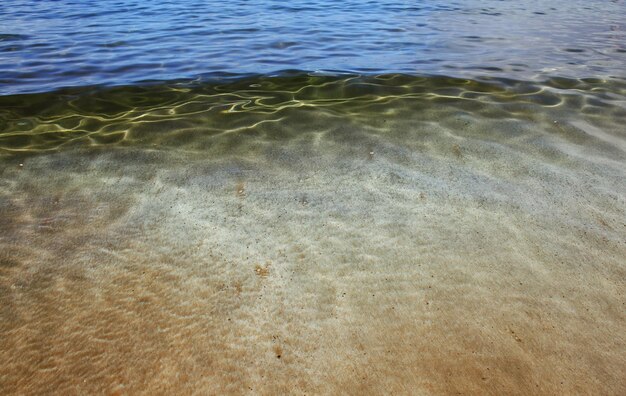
457,240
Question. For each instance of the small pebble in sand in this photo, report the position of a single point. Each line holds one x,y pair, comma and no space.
262,271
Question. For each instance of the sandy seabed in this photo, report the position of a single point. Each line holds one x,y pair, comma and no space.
461,251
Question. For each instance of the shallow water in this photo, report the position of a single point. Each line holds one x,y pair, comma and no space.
368,226
317,235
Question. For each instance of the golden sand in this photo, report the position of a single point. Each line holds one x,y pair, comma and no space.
451,251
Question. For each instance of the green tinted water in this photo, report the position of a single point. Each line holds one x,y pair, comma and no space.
191,115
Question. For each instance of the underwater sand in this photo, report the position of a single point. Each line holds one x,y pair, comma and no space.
389,235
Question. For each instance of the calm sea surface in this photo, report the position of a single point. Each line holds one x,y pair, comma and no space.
313,197
50,44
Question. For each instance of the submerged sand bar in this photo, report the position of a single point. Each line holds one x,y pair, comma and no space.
390,235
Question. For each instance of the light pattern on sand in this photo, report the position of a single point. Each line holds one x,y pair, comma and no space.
374,235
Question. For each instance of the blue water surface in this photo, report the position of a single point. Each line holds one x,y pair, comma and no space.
46,45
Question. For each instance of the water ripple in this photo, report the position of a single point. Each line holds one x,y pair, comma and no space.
191,113
48,45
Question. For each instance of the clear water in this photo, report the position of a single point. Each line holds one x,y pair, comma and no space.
260,197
